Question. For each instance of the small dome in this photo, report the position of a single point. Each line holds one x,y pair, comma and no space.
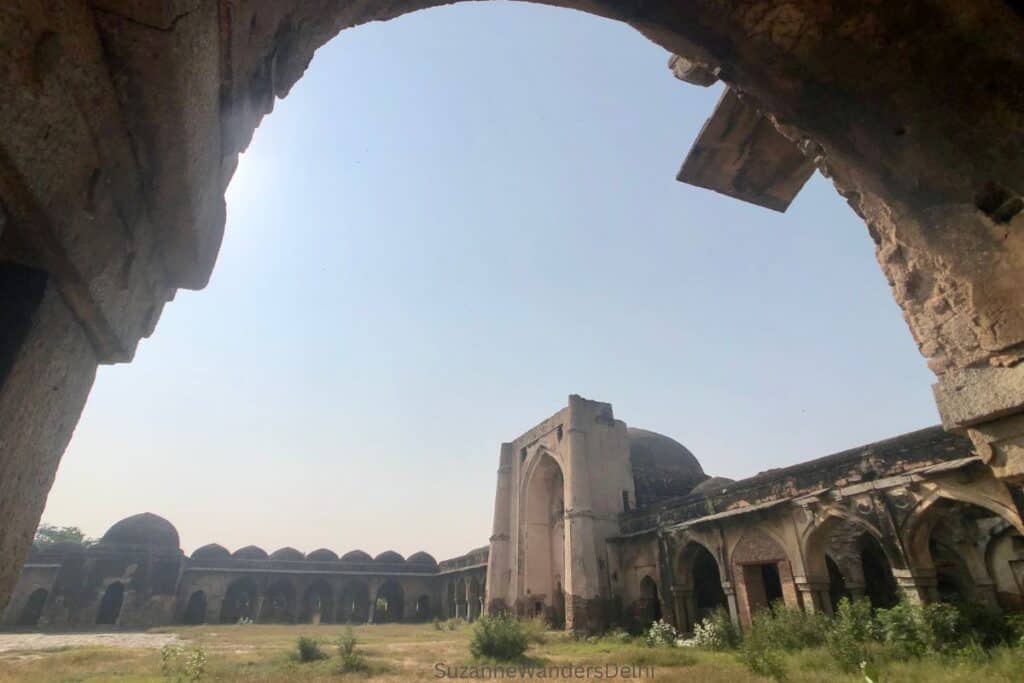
422,558
322,555
356,556
290,554
250,552
712,486
662,467
211,552
143,529
389,556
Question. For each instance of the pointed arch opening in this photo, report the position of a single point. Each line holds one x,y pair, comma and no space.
545,541
110,606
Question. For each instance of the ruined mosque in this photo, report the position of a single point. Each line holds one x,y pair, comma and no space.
121,126
596,524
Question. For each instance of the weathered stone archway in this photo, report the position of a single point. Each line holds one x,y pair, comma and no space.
123,122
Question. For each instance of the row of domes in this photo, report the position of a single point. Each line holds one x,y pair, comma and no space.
147,529
215,551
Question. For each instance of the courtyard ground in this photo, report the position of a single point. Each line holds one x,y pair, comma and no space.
405,652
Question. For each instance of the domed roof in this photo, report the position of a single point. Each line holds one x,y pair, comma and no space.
389,556
712,486
662,467
356,556
422,558
250,552
211,552
143,529
322,555
287,553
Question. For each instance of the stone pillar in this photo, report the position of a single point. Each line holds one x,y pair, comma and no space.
814,595
730,599
918,586
499,560
580,563
47,366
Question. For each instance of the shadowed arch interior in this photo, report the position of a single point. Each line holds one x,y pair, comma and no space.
195,609
110,605
545,539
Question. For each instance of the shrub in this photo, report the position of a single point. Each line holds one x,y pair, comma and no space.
849,633
717,632
618,635
191,670
990,626
536,630
351,659
903,630
763,661
438,624
308,650
498,637
660,634
787,628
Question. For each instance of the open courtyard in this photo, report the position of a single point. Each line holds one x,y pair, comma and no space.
413,652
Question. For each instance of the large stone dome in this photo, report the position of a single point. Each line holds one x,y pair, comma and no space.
144,529
662,467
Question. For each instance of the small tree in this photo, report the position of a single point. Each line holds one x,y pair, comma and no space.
49,534
499,637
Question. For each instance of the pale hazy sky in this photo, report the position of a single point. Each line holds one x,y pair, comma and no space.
454,221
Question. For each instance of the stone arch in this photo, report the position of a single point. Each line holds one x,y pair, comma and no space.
32,610
838,551
649,609
317,604
195,609
939,534
240,601
544,542
461,598
389,604
698,584
475,598
278,603
109,610
423,610
353,603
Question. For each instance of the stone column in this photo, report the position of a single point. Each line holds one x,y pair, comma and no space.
47,365
814,595
499,560
730,599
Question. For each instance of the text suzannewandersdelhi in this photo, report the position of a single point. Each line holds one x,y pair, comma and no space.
561,671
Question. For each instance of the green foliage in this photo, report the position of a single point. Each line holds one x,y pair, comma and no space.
717,632
902,629
189,669
536,630
48,535
786,628
438,624
352,659
850,633
499,637
763,661
661,634
308,650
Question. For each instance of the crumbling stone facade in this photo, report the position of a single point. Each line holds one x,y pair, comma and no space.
918,515
136,576
121,123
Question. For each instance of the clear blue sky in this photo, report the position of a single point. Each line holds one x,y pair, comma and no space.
455,220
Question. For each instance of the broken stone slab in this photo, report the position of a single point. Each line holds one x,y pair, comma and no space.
740,153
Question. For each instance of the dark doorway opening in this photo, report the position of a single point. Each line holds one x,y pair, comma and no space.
195,610
110,605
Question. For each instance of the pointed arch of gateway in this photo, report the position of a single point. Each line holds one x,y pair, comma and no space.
847,556
240,601
317,604
389,604
32,610
543,509
698,584
195,609
939,535
353,603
